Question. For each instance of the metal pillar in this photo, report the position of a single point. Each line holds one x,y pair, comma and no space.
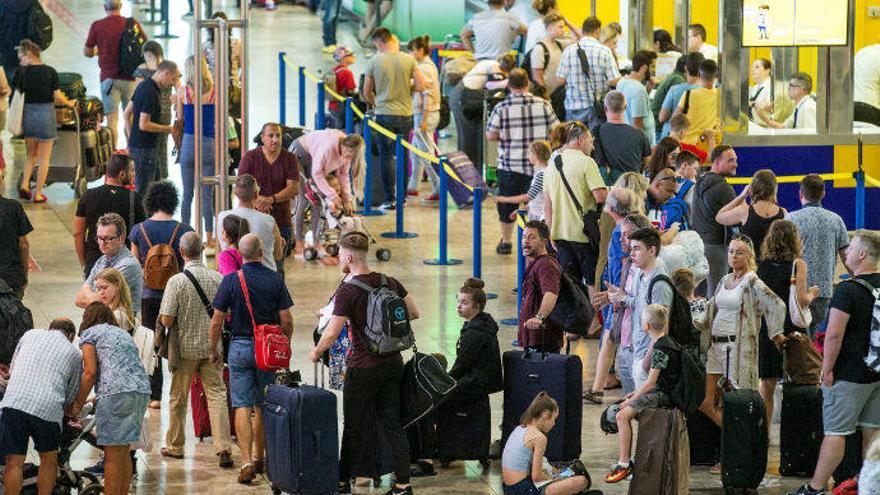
682,18
639,30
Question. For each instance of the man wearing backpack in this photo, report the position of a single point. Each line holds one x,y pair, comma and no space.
540,290
850,378
155,242
15,25
372,381
619,147
103,41
542,62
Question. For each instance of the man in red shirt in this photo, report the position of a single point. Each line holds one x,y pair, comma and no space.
277,173
540,289
103,42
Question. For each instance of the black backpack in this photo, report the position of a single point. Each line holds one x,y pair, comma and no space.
15,320
131,53
527,59
573,311
39,27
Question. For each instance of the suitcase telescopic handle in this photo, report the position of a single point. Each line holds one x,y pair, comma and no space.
321,374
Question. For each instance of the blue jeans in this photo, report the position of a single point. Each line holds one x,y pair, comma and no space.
329,20
400,125
146,167
586,115
187,173
624,369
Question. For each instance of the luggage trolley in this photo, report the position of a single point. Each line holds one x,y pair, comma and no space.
77,156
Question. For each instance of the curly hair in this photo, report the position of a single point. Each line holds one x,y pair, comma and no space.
783,242
161,196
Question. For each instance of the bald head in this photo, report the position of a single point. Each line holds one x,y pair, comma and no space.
251,248
191,246
64,325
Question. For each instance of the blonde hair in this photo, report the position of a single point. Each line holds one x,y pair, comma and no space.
190,75
638,184
610,31
656,316
115,278
750,248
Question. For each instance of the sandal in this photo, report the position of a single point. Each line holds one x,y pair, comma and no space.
40,198
24,194
594,397
167,453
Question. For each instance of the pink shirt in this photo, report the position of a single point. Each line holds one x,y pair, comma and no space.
323,146
228,261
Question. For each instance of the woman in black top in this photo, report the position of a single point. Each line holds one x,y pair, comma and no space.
39,83
781,262
755,219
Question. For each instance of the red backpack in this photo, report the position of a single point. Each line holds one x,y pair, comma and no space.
271,346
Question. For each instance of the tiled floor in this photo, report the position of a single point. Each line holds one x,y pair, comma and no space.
51,290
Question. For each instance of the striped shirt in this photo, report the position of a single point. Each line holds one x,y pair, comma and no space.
520,119
536,196
580,90
44,375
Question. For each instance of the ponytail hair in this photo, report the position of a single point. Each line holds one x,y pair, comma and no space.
235,227
421,42
473,288
542,403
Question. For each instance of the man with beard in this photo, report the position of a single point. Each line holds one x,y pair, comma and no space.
540,291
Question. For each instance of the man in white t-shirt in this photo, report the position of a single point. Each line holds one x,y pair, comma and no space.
261,224
491,33
697,42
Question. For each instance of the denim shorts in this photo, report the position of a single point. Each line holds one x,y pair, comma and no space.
119,416
114,92
246,382
846,406
524,487
16,427
39,121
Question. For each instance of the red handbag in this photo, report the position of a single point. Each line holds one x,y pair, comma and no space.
271,346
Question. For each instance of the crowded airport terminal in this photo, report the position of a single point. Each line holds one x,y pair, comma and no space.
440,247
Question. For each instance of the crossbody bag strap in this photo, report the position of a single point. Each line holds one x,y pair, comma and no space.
209,308
247,297
131,195
577,204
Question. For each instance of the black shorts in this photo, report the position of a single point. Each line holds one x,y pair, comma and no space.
769,358
511,184
578,259
16,427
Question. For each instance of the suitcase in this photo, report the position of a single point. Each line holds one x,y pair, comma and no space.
662,456
302,439
561,376
800,429
744,440
466,171
91,113
704,438
105,146
851,464
71,84
199,401
464,430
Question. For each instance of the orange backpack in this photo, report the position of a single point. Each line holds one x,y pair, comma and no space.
160,263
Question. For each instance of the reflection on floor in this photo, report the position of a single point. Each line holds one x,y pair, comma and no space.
51,290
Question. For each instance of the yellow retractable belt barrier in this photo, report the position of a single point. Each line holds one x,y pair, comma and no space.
787,179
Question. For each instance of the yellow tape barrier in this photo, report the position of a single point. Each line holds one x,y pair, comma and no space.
459,53
521,221
789,178
872,181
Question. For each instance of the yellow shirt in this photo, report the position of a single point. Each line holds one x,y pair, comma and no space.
583,176
702,113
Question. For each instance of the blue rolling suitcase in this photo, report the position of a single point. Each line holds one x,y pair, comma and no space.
561,376
302,439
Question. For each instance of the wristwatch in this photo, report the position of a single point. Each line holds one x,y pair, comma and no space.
540,317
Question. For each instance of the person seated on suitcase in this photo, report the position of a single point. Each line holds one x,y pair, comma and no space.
540,289
523,465
685,283
270,303
652,393
539,155
372,381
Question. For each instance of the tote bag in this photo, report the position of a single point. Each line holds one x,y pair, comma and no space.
15,122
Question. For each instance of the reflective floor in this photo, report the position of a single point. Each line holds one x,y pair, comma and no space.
57,275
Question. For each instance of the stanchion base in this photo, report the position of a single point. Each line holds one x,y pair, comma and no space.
166,36
437,262
371,213
491,295
510,322
399,235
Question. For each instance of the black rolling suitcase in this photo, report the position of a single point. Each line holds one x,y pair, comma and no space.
464,430
561,376
744,440
704,438
91,113
801,430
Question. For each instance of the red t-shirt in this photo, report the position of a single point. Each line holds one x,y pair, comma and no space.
106,34
701,154
345,84
351,302
272,178
542,275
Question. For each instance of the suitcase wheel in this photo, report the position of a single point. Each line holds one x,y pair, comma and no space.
377,482
383,254
276,491
486,464
310,254
332,249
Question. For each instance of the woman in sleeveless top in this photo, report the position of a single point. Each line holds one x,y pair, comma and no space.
781,262
523,465
186,110
754,219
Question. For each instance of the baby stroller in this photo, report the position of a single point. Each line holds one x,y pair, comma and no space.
328,226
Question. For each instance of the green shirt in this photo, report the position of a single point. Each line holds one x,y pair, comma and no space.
392,74
583,176
660,93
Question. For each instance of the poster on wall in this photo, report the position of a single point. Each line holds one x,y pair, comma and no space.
795,22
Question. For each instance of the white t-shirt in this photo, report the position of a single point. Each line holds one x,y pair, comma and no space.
728,302
538,57
261,225
805,112
477,78
709,51
866,75
537,31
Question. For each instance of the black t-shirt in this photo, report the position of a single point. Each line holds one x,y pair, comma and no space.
38,82
857,302
106,199
620,146
147,99
13,224
711,193
666,358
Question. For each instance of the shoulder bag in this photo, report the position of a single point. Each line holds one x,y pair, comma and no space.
598,103
15,115
800,317
271,346
590,218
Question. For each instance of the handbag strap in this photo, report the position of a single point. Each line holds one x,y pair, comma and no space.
209,308
558,163
247,297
